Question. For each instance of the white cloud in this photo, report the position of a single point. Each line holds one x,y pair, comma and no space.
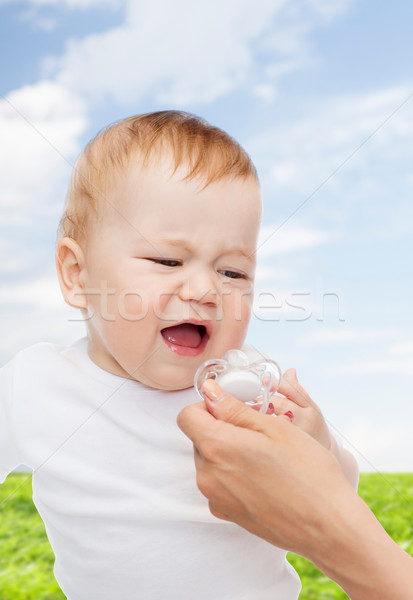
383,367
345,134
24,327
294,305
181,53
40,293
275,240
33,310
402,349
265,91
46,14
40,129
199,57
48,106
331,9
72,4
348,334
382,447
12,262
268,273
44,23
41,125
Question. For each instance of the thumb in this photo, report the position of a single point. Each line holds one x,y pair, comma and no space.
291,375
293,390
226,408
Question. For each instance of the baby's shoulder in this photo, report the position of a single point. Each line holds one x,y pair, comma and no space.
39,353
39,361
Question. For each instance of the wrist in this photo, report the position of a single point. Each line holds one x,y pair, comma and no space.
361,557
346,460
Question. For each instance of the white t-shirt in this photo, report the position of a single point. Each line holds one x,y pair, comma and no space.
114,482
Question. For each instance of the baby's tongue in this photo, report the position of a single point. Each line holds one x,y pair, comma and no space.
185,334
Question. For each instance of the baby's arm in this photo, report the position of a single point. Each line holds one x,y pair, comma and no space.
309,418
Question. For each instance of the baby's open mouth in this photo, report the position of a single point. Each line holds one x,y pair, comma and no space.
185,334
186,338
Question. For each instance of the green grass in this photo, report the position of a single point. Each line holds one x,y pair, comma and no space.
26,559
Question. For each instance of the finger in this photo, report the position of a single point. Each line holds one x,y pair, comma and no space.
281,407
227,408
287,416
281,404
291,389
195,421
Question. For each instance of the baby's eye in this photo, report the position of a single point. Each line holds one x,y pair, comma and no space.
233,274
166,262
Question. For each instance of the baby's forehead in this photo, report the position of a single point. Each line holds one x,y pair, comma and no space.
172,208
161,182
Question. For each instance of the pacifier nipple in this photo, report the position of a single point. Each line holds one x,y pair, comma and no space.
236,358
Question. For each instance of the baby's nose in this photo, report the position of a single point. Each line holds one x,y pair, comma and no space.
200,287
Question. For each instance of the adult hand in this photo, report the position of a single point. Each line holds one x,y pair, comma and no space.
277,482
247,463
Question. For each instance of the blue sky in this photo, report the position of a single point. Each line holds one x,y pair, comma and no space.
318,92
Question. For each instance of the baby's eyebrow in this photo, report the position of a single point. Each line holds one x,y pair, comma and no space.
239,252
172,242
158,243
182,243
247,256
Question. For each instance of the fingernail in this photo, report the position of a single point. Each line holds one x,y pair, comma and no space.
271,409
289,414
213,391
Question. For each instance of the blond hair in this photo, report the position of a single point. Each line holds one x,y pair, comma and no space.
205,151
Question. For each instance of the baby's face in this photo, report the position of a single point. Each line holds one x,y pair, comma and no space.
173,266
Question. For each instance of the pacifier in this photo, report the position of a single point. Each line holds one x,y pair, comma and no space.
251,382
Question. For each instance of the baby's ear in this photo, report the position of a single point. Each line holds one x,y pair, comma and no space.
69,265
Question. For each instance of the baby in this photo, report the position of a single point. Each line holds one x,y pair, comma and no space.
156,247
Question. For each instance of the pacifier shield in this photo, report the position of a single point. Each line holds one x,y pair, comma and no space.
252,383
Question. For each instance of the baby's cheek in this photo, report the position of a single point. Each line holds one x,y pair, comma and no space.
132,305
238,305
236,312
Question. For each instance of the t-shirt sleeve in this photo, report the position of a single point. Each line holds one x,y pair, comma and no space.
9,458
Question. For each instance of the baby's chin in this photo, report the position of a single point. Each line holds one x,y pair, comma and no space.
158,376
172,383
